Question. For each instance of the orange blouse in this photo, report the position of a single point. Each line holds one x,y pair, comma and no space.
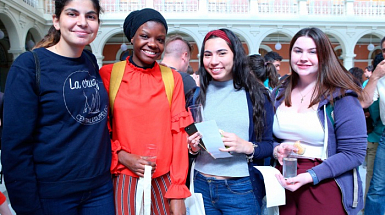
142,115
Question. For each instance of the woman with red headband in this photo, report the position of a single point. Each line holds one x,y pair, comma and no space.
241,107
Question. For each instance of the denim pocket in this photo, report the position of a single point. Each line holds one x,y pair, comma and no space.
240,186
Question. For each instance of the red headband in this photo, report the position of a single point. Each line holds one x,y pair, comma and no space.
217,33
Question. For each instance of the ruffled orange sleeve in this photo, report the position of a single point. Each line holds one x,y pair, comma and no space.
180,118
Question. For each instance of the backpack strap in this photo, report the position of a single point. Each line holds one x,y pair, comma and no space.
115,80
37,71
168,80
196,95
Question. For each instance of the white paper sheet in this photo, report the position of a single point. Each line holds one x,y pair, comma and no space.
212,138
275,193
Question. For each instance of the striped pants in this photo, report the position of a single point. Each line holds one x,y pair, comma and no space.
125,187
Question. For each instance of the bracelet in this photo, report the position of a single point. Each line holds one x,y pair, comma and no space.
250,157
275,153
191,151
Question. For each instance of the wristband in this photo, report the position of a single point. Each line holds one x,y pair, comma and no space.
250,157
314,176
191,151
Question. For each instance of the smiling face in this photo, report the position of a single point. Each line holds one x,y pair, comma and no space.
304,59
148,43
218,59
78,23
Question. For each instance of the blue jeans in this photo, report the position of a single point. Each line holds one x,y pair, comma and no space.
98,201
375,200
227,197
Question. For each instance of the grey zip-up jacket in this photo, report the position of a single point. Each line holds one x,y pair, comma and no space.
346,147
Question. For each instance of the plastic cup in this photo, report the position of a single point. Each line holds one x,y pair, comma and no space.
289,167
150,153
196,112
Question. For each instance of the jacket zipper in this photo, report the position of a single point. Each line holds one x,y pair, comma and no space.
339,187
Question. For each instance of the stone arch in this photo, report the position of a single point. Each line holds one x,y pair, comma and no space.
339,38
12,29
243,36
380,34
265,47
284,31
186,31
104,38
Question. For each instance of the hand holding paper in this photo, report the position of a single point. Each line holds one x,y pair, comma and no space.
212,138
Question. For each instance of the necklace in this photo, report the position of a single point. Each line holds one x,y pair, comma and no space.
303,96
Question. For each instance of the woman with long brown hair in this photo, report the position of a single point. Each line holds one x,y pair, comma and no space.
318,105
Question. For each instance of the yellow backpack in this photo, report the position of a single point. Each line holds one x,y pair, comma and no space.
117,76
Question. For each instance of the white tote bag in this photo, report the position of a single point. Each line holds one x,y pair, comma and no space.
143,193
194,203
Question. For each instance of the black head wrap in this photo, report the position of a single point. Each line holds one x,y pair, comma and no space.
137,18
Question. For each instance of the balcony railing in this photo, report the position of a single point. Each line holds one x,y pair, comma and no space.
178,6
327,7
122,6
33,3
278,7
369,8
228,6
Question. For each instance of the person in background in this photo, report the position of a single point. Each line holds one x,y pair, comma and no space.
368,72
373,138
190,70
357,75
142,115
240,105
263,70
374,91
56,150
327,139
177,53
275,59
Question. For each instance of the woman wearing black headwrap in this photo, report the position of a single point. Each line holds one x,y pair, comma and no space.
142,115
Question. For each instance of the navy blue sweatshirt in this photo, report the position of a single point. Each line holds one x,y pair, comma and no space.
55,140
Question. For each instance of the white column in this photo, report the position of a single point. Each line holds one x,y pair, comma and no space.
348,61
253,5
149,4
302,7
203,7
349,7
16,52
99,59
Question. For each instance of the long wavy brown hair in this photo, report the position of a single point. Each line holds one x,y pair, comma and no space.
332,75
